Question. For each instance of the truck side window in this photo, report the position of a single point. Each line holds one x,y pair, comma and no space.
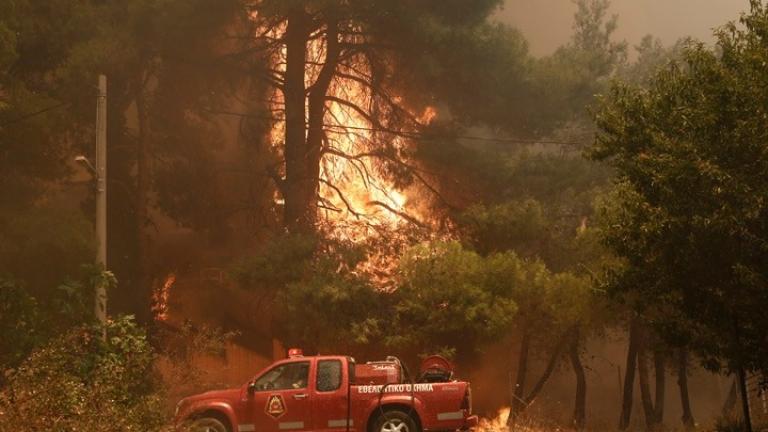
328,375
287,376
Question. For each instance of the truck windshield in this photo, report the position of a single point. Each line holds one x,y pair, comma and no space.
286,376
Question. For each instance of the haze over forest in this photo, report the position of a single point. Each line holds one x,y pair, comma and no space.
568,200
547,24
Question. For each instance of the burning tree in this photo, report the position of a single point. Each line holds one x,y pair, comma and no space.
347,95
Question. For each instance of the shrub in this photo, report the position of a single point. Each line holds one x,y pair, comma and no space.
85,383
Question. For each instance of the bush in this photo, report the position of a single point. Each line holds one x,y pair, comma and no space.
81,382
19,324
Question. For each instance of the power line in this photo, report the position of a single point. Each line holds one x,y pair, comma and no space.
411,135
34,114
423,136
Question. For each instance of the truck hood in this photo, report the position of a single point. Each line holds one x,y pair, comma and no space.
228,394
193,403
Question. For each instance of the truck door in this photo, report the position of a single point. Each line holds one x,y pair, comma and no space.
330,398
282,401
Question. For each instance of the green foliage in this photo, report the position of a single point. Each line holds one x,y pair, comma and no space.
81,382
578,71
449,299
651,57
20,322
283,261
689,217
29,320
521,226
330,310
320,301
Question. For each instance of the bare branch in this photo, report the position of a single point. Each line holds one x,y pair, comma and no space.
342,197
403,215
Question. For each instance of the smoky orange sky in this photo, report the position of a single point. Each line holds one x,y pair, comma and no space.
547,24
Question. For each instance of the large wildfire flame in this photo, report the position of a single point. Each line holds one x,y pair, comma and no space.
356,197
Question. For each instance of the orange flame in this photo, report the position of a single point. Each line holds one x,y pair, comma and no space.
496,424
160,298
499,424
356,197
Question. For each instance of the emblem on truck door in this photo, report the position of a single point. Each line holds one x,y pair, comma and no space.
275,406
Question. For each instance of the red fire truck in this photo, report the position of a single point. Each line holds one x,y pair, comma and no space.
335,394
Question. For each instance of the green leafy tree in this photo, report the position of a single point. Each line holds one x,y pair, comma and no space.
689,152
448,302
652,55
313,295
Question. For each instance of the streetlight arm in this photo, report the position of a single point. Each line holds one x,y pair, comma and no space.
85,161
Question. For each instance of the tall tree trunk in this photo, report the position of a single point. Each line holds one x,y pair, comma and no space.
742,376
318,92
517,402
629,377
682,382
645,386
300,184
554,358
659,362
142,284
580,406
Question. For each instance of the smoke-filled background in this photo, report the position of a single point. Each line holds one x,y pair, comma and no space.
547,23
565,198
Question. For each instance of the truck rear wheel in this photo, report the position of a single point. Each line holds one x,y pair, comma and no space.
207,424
395,421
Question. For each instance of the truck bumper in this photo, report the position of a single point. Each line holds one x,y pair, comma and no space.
470,422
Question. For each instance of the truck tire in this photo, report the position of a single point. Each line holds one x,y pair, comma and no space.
207,424
395,421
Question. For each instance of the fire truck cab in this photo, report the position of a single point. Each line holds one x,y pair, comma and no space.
335,394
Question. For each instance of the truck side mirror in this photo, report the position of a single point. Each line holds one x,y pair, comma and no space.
251,388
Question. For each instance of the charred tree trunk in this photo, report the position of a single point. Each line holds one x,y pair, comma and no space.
659,362
300,184
742,376
645,385
554,358
580,407
682,382
629,378
517,402
521,402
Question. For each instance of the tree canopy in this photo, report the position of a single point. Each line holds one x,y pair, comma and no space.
689,213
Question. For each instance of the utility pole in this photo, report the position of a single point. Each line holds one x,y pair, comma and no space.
101,197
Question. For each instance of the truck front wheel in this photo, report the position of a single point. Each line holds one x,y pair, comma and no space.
395,421
207,424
